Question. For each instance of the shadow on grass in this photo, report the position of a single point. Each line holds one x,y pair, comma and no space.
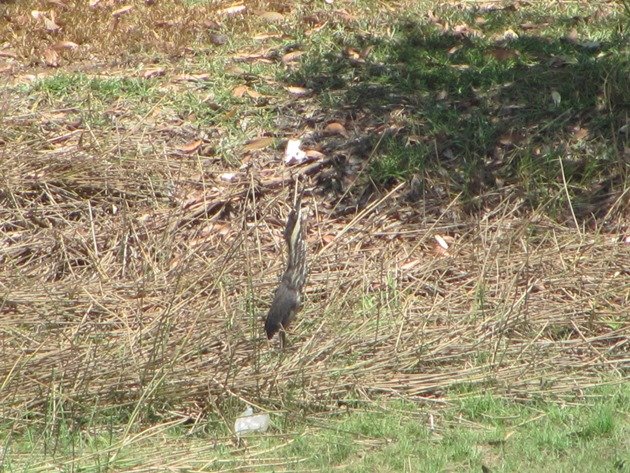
485,119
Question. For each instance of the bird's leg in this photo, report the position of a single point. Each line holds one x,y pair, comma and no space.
283,339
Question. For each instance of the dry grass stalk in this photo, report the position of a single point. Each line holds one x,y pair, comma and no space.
115,291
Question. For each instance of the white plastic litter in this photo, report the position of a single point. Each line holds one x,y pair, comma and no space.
293,154
249,422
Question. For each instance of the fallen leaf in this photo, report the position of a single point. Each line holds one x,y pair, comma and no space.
211,25
295,90
258,143
344,15
253,94
190,147
528,25
509,35
503,54
328,238
151,73
580,133
409,263
228,176
50,25
314,154
233,10
122,11
464,31
335,128
441,241
555,96
572,36
264,36
293,56
193,78
272,16
239,91
51,58
352,53
65,45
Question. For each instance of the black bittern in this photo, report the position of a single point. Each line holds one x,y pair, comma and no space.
287,300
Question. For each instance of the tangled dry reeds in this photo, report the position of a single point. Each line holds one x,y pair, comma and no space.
138,279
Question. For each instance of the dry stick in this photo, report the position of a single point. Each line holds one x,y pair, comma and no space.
566,191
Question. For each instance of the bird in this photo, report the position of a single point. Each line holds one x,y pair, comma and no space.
287,300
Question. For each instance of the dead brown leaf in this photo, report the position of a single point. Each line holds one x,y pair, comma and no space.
293,56
265,36
345,16
239,91
61,45
253,94
258,143
572,36
50,25
151,73
352,53
335,128
51,58
191,147
328,238
272,17
314,154
409,263
580,133
192,78
503,54
242,90
233,10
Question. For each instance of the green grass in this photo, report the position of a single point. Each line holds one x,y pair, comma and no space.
473,430
460,98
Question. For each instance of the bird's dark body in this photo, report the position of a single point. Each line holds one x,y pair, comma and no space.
287,299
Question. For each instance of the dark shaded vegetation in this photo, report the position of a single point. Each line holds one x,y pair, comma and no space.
471,115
